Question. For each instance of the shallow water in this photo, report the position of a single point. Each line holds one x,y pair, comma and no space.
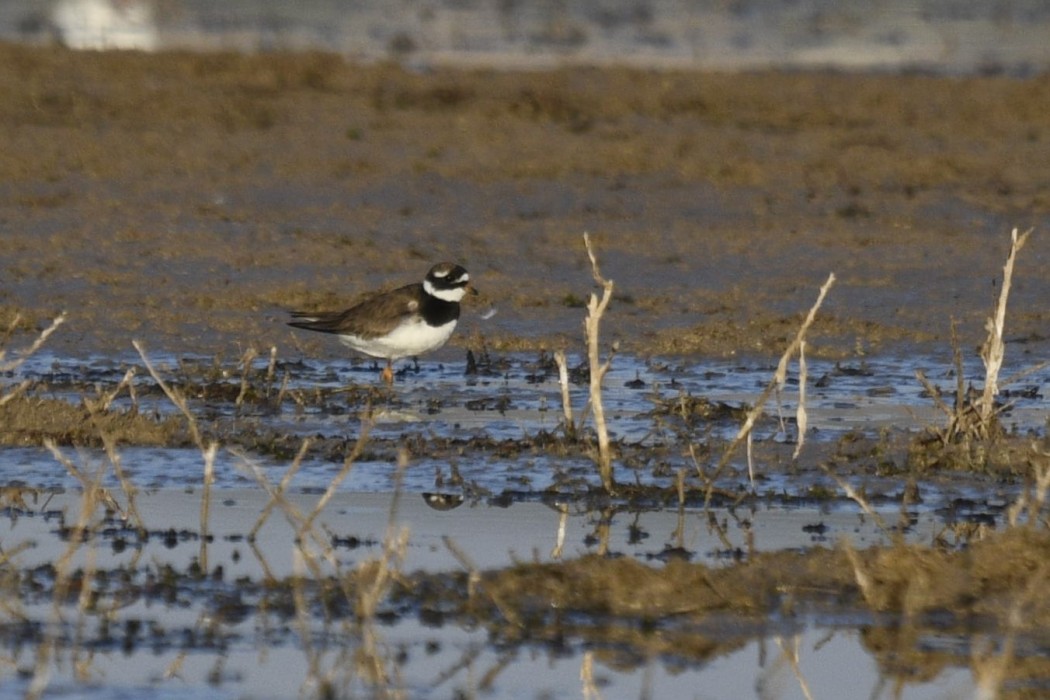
500,509
262,654
452,663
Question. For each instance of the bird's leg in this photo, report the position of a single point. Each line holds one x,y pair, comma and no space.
388,373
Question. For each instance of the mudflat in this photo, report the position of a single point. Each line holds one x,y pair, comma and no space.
190,200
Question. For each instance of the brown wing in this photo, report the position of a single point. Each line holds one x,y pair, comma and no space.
375,316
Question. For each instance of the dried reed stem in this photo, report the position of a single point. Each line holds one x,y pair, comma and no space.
566,402
473,573
779,378
110,446
333,485
103,494
92,496
209,480
175,396
286,480
994,350
792,655
246,369
1032,498
857,498
271,370
595,310
801,417
12,365
590,687
292,514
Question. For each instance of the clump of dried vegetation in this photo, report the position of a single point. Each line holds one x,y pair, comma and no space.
972,435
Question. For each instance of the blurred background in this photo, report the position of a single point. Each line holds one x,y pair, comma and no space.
940,36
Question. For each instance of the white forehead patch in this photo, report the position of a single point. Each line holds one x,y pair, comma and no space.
441,273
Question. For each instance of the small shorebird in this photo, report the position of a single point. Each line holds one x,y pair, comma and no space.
404,322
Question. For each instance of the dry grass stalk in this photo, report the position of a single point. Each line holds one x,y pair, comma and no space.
792,656
271,370
749,452
779,378
590,687
375,576
90,500
994,350
286,480
563,382
474,579
208,450
990,670
708,480
1032,498
176,398
304,525
246,370
962,419
103,402
595,310
314,674
12,365
348,465
801,417
559,540
113,455
365,588
857,498
864,580
86,484
473,573
96,407
209,480
292,514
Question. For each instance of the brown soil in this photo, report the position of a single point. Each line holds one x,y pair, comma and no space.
190,200
31,420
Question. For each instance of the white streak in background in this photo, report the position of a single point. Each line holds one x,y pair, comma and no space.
106,24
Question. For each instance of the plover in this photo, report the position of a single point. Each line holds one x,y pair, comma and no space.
405,322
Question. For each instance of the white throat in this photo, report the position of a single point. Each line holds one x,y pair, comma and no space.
455,294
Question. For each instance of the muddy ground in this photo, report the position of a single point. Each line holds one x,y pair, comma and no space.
190,200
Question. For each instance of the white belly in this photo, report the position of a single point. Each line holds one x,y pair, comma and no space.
408,340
